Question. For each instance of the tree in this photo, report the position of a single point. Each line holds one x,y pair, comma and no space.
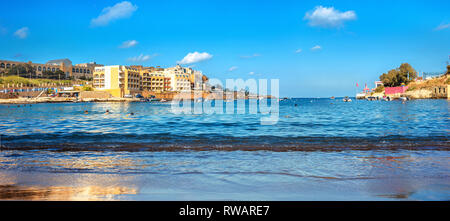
17,70
406,70
58,75
448,70
23,70
396,77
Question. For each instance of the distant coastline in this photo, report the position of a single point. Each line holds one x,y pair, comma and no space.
404,82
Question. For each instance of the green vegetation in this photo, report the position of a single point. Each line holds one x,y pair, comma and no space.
23,70
400,76
379,89
411,88
448,70
54,75
87,88
17,80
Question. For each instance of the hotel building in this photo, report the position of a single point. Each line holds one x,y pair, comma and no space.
65,65
118,80
182,79
155,81
6,65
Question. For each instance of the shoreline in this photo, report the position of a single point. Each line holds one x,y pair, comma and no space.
99,100
64,100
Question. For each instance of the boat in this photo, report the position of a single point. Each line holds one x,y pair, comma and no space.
347,99
332,98
403,98
163,100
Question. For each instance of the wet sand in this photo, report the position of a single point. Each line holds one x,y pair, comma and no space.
260,175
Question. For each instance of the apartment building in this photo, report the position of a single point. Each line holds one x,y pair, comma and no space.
118,80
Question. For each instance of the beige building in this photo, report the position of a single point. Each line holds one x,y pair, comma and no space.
118,80
175,79
5,65
65,65
84,70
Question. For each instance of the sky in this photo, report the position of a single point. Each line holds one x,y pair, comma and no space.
314,48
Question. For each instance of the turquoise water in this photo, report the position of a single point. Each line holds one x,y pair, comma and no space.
319,149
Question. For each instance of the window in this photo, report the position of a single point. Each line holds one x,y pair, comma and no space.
53,69
44,69
77,71
8,65
88,71
73,69
39,68
2,65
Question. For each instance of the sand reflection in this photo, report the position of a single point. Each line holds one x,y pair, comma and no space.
57,193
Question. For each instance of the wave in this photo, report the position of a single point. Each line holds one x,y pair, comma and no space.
215,142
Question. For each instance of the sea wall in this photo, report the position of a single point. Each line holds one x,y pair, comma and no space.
95,94
419,94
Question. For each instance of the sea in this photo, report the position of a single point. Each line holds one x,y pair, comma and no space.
313,149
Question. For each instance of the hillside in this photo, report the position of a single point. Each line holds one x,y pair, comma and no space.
419,89
424,89
16,80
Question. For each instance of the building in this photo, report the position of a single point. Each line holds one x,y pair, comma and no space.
84,70
179,78
39,69
78,71
173,79
118,80
378,84
440,91
155,81
65,65
395,90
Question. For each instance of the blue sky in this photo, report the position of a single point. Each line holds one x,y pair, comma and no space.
353,41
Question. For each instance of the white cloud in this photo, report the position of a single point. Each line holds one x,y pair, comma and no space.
129,44
195,57
233,68
250,56
298,51
442,27
120,10
328,17
22,33
141,58
316,48
251,73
